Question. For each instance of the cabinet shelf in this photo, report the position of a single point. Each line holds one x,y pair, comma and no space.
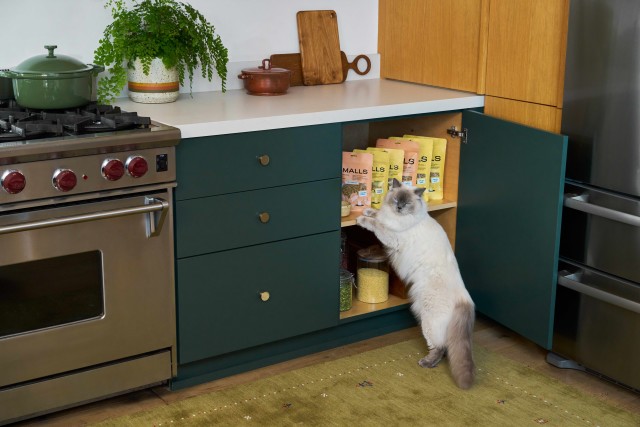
360,308
434,205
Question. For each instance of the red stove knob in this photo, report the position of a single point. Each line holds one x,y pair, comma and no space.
112,169
137,166
13,181
64,180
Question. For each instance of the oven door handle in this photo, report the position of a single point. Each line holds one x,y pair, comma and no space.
152,206
569,280
579,203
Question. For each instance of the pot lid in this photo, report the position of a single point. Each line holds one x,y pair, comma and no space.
51,64
265,68
373,253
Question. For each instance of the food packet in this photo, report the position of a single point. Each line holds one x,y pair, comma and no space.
380,176
425,152
410,165
396,160
356,179
436,182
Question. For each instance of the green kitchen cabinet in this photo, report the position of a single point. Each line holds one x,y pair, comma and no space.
507,180
242,298
504,194
257,241
508,227
238,162
210,224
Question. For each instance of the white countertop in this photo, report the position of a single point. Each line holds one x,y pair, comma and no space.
217,113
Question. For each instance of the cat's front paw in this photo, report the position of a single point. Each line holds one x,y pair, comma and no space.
364,221
369,212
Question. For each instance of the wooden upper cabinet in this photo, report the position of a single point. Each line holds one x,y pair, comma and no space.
508,49
434,42
526,50
545,117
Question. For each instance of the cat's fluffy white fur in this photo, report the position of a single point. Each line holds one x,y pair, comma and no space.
421,255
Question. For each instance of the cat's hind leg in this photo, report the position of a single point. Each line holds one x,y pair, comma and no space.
435,342
432,359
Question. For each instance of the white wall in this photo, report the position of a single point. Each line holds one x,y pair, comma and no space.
250,29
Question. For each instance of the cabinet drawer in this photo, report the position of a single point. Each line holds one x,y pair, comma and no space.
219,304
224,222
229,163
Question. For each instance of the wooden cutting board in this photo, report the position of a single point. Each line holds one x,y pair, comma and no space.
293,62
290,61
319,47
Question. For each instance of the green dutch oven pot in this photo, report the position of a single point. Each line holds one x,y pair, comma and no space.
6,88
53,81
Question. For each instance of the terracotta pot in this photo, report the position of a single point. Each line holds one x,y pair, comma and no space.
265,80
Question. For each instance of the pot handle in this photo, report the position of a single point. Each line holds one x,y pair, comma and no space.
266,64
244,76
51,48
6,73
97,68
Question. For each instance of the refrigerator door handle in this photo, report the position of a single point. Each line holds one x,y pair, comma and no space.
578,202
568,280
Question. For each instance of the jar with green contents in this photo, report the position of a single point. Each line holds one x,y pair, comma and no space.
346,289
372,275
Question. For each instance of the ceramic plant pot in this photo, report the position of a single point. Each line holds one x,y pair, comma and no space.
159,86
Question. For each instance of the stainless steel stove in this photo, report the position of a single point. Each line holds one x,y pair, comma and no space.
87,306
94,148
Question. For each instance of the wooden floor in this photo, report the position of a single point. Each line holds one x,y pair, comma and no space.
487,334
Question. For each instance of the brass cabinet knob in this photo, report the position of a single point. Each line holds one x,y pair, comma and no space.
264,159
264,296
264,217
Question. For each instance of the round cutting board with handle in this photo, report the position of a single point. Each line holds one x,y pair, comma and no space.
293,62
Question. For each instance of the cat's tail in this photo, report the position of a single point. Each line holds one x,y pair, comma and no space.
459,344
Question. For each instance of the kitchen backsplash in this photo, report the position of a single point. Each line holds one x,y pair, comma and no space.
252,30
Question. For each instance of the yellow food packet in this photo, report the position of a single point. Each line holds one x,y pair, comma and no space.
425,152
396,160
436,184
380,176
410,162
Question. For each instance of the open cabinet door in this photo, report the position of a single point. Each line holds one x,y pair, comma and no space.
508,227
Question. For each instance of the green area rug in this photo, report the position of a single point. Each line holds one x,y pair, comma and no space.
386,387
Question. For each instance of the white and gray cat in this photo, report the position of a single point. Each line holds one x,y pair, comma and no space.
421,255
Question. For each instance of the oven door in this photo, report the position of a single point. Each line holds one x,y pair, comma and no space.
85,284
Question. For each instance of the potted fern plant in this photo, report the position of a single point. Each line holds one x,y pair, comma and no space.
153,45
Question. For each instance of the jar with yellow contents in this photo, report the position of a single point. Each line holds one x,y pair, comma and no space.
372,275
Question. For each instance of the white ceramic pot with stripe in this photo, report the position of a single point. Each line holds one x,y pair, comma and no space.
159,86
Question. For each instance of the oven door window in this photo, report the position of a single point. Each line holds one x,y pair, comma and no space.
50,292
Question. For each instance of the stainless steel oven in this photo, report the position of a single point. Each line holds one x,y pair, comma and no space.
87,299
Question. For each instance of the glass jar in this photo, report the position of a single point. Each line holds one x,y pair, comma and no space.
343,251
346,289
372,275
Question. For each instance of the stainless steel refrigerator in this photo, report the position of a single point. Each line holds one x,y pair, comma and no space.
597,318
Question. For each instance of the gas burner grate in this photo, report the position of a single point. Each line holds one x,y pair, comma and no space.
24,123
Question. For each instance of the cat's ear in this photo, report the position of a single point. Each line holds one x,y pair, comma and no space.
419,191
396,183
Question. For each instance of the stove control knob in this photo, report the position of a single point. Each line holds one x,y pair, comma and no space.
136,166
13,181
112,169
64,180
